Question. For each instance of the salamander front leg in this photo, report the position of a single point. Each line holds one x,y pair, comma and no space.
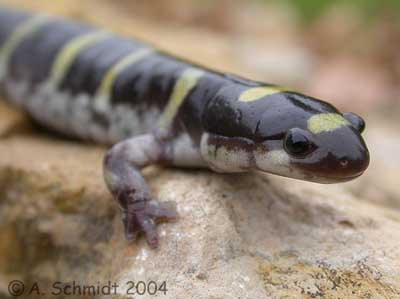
122,166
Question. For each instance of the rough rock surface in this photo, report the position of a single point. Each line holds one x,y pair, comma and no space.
239,236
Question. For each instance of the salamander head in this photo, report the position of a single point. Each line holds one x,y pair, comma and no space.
297,136
329,150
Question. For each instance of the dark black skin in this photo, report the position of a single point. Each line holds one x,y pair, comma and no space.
264,119
211,107
335,156
337,159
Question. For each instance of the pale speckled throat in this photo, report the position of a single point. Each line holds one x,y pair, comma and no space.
224,159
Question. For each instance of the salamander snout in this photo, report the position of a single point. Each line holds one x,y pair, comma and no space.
337,156
352,165
330,149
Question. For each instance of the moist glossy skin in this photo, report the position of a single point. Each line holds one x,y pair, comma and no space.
158,109
338,152
341,155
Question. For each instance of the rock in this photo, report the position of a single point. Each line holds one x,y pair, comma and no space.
239,236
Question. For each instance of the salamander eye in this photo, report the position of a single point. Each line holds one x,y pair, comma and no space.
296,143
356,121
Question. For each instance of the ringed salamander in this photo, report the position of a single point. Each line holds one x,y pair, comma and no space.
157,109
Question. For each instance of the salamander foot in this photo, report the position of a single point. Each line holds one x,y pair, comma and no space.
143,217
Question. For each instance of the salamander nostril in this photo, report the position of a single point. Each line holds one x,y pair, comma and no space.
344,162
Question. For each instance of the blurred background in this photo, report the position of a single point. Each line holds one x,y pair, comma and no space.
344,51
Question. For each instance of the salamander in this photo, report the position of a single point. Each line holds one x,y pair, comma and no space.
153,108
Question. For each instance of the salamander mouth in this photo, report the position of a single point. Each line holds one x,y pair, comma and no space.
352,177
333,179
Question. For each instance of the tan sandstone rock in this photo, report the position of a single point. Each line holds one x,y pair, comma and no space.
238,236
248,236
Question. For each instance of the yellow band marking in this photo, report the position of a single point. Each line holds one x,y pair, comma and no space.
183,86
326,122
103,94
70,51
23,30
108,80
258,93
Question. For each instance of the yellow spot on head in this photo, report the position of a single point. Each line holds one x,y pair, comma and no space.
326,122
258,93
183,86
